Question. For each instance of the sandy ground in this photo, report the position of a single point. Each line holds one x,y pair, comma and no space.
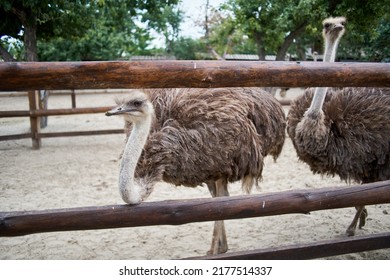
82,171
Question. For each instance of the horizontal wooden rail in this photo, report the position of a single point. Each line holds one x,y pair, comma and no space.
321,249
202,74
62,134
194,210
15,136
13,114
81,133
53,112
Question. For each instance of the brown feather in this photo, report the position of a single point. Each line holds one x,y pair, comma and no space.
202,135
357,146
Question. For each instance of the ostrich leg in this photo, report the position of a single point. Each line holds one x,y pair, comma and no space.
219,241
361,214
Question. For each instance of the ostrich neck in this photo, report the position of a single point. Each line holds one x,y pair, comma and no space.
320,92
331,49
131,192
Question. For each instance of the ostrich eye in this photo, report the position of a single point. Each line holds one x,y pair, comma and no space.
343,23
327,25
137,103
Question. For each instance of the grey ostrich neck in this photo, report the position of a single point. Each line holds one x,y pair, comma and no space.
131,191
331,45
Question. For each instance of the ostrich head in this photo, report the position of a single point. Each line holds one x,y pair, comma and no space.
313,121
333,29
133,108
138,110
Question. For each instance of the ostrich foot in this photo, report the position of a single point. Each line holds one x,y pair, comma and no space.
361,214
351,230
219,241
362,219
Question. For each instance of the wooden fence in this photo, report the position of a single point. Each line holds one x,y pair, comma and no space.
103,75
34,76
35,113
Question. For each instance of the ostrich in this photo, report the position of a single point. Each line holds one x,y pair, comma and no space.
345,131
192,137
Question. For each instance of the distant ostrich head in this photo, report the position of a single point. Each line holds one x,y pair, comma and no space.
133,108
333,30
313,121
334,27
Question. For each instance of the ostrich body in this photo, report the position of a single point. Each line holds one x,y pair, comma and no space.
343,131
193,136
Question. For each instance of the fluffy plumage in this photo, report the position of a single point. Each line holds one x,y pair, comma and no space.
197,136
202,135
356,134
343,131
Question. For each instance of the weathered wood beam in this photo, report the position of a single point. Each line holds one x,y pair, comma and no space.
54,112
321,249
62,134
202,74
194,210
15,136
33,100
81,133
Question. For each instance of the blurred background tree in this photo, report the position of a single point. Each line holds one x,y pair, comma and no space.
279,27
84,30
60,30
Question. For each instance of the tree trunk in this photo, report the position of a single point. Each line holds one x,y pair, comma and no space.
214,53
29,21
289,39
30,42
260,45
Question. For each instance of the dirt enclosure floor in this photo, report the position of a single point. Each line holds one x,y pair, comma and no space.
82,171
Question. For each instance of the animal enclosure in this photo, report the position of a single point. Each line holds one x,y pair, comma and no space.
176,211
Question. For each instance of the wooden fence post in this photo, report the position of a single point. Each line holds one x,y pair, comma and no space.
33,100
73,96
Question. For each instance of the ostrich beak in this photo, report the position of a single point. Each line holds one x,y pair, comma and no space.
120,110
338,27
115,111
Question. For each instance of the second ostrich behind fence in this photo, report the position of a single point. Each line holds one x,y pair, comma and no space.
194,136
343,131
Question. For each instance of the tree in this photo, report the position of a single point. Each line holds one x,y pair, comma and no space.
82,29
167,21
279,26
30,19
190,49
368,25
274,25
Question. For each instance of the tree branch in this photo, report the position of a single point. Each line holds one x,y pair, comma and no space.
289,39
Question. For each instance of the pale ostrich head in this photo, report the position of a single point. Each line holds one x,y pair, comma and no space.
313,121
138,110
334,27
133,108
333,30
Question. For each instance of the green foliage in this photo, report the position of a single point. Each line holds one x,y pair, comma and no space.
117,29
277,27
368,28
189,49
90,30
274,25
13,46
